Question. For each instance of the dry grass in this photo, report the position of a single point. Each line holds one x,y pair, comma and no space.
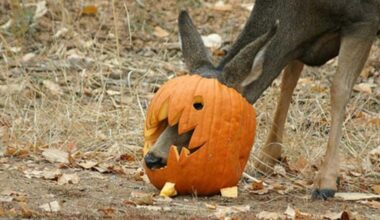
91,78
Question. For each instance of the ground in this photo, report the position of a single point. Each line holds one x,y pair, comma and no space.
77,77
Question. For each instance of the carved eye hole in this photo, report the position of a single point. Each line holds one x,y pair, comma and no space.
198,103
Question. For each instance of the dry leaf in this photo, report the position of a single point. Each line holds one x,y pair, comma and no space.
375,121
140,198
108,212
212,40
168,190
211,206
336,215
221,6
248,6
159,32
229,192
68,179
61,32
89,10
373,204
16,152
376,188
223,211
56,156
280,170
264,215
40,9
51,206
26,212
257,185
354,196
87,164
53,87
51,174
363,88
11,89
27,57
299,165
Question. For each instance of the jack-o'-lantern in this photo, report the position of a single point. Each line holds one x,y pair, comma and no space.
223,125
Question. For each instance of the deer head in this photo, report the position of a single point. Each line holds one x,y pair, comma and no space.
244,68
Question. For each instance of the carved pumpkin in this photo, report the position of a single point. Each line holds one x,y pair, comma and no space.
223,125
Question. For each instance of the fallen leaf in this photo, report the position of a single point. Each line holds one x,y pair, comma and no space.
212,40
11,89
376,188
68,179
108,212
363,88
373,204
257,185
89,10
16,152
375,121
51,206
41,10
6,198
26,212
61,32
280,170
264,215
51,174
140,198
223,211
248,6
159,32
354,196
211,206
229,192
27,57
127,157
299,164
221,6
56,156
296,214
87,164
53,87
168,190
336,215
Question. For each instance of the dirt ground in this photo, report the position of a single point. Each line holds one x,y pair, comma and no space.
77,77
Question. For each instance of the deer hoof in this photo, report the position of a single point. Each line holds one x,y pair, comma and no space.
324,194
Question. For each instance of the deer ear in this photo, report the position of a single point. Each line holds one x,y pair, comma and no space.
257,68
194,51
247,65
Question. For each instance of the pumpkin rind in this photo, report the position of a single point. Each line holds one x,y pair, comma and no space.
223,134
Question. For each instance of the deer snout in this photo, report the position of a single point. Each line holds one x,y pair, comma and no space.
153,162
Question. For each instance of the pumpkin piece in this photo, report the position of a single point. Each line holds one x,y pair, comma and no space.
229,192
223,125
168,190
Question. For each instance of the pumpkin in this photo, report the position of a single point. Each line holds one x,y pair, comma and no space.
223,125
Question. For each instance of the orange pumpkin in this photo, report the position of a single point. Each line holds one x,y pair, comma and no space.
223,134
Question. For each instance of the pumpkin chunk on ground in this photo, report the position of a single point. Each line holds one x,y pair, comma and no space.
229,192
168,190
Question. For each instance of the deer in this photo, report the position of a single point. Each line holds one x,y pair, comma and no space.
283,36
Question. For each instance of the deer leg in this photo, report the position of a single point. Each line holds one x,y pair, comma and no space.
355,46
271,152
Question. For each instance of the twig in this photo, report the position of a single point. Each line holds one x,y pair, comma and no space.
129,25
246,175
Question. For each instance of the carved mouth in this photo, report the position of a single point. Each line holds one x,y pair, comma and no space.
181,145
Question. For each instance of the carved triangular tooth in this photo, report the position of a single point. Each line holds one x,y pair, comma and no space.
164,110
184,154
173,156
